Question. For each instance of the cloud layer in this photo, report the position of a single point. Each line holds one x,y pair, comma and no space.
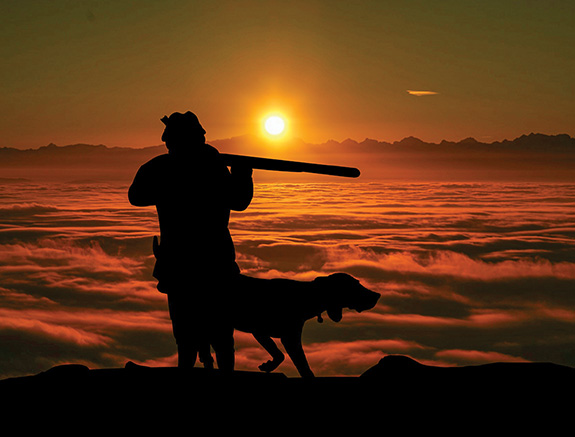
469,273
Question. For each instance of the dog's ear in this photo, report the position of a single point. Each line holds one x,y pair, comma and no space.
335,313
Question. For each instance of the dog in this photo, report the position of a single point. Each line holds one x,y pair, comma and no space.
279,308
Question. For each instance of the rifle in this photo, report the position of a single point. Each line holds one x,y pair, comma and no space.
289,166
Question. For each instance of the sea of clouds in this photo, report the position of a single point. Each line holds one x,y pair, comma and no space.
469,273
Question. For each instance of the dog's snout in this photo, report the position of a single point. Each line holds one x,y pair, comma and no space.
374,297
368,301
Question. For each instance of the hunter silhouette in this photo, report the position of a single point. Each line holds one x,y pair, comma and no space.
193,192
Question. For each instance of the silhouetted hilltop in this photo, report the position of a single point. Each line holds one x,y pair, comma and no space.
397,396
395,378
493,377
535,157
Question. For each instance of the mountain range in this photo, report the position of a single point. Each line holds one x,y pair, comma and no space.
534,157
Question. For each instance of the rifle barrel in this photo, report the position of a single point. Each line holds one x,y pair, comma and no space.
289,166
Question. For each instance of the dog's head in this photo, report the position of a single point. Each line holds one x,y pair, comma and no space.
344,291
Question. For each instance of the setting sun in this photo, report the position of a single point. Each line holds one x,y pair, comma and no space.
274,125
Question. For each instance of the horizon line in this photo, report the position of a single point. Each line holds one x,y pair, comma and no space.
297,139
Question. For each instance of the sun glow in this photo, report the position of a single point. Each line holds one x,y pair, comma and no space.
274,125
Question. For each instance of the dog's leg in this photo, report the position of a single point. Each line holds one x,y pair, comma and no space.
206,356
295,351
277,355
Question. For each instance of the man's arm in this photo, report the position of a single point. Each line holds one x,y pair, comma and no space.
143,191
242,187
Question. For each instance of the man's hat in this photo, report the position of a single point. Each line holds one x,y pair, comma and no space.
179,121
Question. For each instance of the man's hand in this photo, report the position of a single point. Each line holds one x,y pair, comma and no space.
241,170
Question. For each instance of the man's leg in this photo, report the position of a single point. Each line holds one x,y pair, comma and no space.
223,344
187,355
184,330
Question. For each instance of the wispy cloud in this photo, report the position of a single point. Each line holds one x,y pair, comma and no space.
422,93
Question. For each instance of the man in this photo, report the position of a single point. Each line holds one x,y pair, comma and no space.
193,192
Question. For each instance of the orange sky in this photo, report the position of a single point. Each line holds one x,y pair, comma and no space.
105,72
467,271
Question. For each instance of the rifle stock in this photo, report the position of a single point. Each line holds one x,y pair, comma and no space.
289,166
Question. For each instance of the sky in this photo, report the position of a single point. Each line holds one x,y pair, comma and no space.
105,72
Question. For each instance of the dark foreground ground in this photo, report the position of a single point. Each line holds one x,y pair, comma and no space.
398,392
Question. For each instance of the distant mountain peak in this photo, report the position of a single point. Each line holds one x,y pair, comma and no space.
410,141
469,140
